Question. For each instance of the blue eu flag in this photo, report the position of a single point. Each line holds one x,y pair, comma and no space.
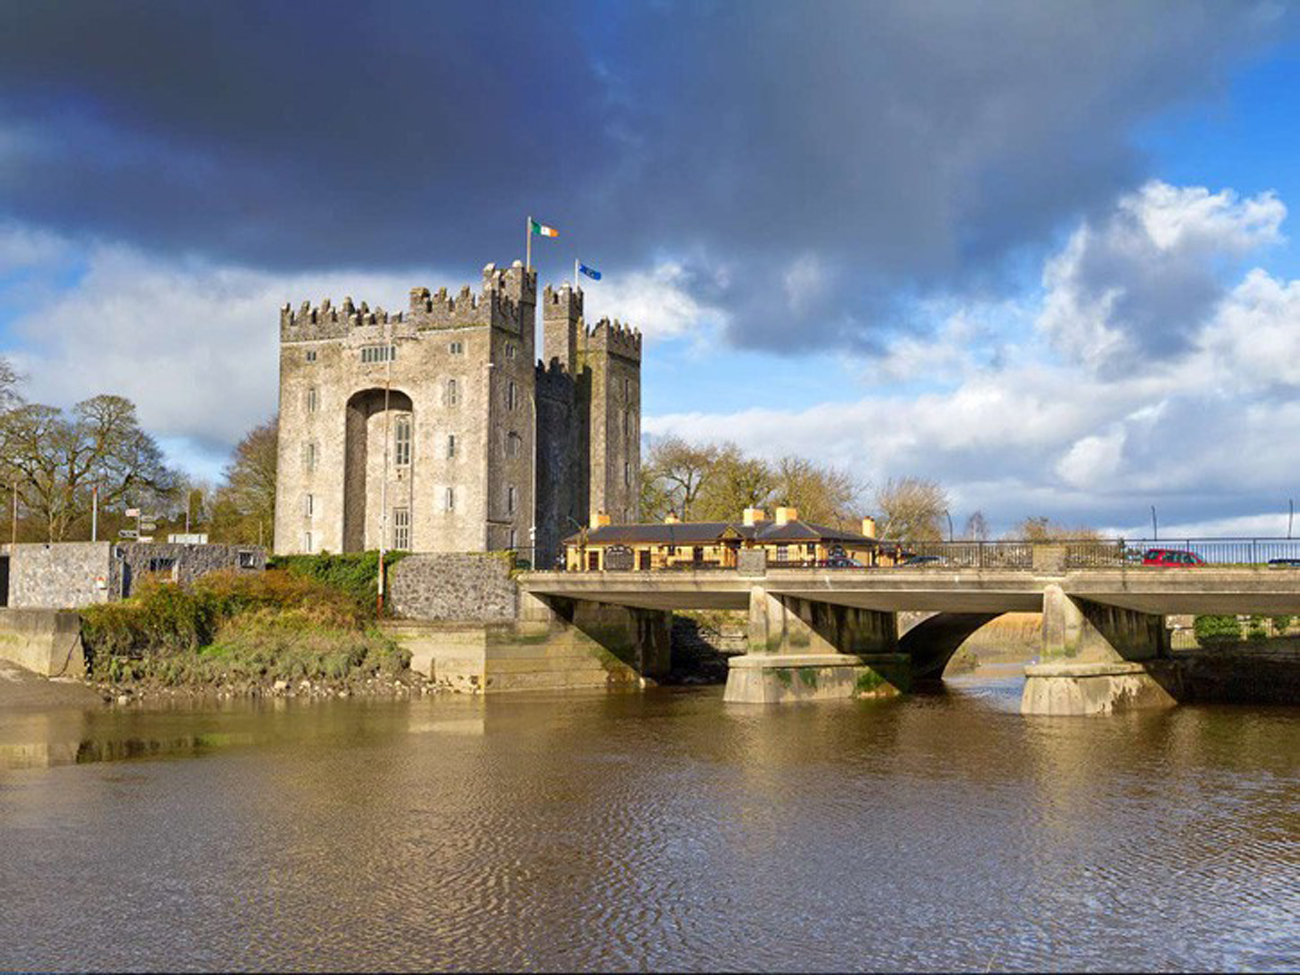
590,272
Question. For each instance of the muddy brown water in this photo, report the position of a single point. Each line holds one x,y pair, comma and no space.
651,831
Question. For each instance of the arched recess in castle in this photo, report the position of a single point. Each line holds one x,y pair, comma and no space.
363,473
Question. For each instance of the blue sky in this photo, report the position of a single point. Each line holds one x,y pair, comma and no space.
1039,253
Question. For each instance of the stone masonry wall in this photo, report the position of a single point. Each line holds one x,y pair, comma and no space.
465,587
60,575
182,563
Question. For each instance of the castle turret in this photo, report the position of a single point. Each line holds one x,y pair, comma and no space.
562,322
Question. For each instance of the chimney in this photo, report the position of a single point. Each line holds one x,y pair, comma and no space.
869,526
754,515
786,515
672,519
600,519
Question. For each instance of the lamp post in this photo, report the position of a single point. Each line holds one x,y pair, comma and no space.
1155,528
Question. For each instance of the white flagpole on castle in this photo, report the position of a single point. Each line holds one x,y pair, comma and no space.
575,274
528,244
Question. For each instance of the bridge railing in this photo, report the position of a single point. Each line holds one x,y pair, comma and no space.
1100,553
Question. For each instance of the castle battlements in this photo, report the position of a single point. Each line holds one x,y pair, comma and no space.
614,338
562,303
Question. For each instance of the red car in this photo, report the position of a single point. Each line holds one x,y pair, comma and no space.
1173,558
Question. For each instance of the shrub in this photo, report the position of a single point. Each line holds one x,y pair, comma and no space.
1281,624
1216,630
355,573
1255,629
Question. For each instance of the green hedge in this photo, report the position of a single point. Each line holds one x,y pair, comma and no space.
356,574
1216,630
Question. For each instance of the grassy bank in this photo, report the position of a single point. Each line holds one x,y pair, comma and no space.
309,624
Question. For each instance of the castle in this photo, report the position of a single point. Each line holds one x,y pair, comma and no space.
438,430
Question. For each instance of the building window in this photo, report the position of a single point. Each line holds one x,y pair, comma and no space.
627,474
313,399
510,499
378,353
783,553
514,538
451,499
627,516
453,393
512,395
510,350
308,505
309,456
402,528
311,355
627,423
402,441
513,442
248,560
456,348
627,389
451,445
307,543
811,548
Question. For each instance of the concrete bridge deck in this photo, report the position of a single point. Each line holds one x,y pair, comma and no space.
1105,644
1145,590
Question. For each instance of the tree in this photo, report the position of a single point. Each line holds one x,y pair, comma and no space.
735,482
822,494
55,459
1042,529
681,470
244,507
912,509
977,528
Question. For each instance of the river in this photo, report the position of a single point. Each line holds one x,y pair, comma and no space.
656,830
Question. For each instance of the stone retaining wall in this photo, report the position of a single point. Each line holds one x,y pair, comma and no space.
473,587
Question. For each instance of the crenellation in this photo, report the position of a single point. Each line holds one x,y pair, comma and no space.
615,338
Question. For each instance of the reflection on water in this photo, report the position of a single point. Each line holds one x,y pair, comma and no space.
662,830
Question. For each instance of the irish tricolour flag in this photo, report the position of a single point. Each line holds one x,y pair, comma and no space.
541,230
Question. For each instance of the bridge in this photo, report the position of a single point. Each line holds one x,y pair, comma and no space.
817,633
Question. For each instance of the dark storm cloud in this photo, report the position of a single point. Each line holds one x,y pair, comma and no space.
826,157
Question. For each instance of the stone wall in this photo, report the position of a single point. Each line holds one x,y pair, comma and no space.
471,587
60,575
181,563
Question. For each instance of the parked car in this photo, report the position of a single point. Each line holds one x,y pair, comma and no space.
916,560
842,562
1284,563
1172,558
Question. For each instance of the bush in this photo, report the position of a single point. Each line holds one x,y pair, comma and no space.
1216,630
1255,629
1281,624
356,574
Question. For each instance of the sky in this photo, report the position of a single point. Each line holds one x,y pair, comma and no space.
1039,253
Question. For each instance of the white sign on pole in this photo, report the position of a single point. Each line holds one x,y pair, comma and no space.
133,512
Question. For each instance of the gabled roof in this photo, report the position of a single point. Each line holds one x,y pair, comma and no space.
712,532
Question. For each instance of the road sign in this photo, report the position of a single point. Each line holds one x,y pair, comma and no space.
146,538
128,533
147,526
133,512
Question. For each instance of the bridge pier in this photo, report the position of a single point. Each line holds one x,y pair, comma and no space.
1098,659
804,650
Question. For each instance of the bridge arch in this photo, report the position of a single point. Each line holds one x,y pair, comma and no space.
932,642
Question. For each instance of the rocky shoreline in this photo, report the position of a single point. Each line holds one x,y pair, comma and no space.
378,686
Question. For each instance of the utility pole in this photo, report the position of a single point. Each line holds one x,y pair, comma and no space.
1155,529
383,484
14,491
94,512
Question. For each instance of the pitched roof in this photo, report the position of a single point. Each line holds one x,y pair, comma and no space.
711,532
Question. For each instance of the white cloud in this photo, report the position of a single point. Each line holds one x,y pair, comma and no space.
658,301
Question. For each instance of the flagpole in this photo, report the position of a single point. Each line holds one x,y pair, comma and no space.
528,244
575,274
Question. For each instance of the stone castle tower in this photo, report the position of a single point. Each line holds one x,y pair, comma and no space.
437,429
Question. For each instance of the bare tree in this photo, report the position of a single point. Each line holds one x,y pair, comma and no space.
1043,529
977,528
912,509
735,482
243,508
822,494
55,459
681,470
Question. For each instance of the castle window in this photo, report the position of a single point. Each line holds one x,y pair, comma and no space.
627,475
510,499
451,499
456,348
512,395
309,456
311,355
308,505
313,399
514,538
402,441
307,542
451,445
513,442
627,389
378,353
453,393
627,423
510,350
402,528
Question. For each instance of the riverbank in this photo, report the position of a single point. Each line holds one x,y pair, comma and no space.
23,690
